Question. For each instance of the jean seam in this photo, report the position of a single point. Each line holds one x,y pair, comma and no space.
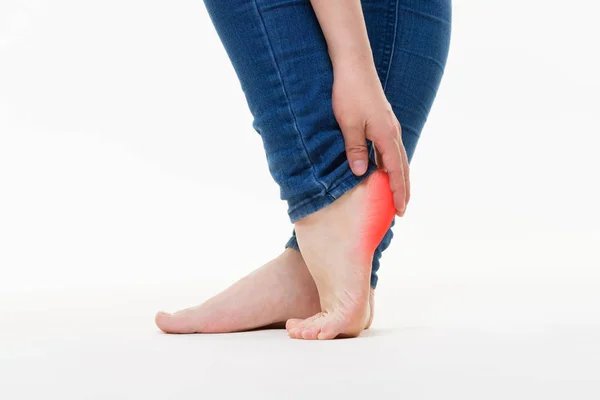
391,57
385,49
287,98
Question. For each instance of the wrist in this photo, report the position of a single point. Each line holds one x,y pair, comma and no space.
355,68
352,59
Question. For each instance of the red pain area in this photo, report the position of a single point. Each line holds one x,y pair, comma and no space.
380,210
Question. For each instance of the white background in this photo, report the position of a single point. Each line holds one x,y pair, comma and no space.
131,181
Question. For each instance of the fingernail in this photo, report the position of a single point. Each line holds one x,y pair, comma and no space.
359,166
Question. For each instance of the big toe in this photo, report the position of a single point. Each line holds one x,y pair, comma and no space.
179,322
166,322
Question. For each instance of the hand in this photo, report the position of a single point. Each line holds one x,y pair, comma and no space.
363,112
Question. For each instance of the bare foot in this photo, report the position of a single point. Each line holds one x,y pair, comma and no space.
337,244
281,289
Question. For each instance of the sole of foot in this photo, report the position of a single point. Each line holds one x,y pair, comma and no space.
337,244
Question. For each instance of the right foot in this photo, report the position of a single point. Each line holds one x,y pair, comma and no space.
337,244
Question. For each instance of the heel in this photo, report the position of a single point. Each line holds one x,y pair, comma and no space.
380,210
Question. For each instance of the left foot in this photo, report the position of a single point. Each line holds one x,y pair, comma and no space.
279,290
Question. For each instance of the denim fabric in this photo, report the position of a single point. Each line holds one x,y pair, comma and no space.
280,56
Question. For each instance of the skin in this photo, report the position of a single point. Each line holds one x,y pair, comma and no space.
279,290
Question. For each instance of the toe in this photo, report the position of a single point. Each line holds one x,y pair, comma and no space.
162,321
180,322
295,327
292,323
309,328
324,335
310,333
296,333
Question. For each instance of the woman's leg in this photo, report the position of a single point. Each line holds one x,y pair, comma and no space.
286,75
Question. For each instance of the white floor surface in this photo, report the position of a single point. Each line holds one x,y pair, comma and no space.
452,338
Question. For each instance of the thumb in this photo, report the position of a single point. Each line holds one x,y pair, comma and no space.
356,149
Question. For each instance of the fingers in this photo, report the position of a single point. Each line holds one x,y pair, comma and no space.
406,167
356,148
406,173
389,146
390,155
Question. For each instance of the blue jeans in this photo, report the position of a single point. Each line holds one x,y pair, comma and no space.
280,56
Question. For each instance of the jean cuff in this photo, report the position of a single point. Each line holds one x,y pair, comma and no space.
316,203
293,243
